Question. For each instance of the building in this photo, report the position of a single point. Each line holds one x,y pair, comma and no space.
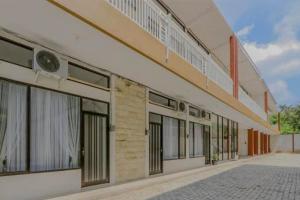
101,92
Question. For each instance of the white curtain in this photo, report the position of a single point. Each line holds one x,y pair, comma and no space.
55,126
13,127
170,138
198,140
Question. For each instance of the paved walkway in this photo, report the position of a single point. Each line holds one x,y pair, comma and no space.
248,182
265,177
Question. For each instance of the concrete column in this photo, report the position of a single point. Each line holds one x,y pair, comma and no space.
250,142
234,65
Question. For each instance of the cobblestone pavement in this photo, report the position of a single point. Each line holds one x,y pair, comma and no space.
248,182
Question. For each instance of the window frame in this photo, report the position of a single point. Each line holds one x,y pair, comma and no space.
159,104
28,134
85,82
22,46
179,157
202,129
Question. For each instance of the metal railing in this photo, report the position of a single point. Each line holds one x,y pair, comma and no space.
251,104
152,19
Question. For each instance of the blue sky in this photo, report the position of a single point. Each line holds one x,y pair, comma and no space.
270,32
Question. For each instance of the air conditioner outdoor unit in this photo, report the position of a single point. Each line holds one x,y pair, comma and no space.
181,107
203,114
50,64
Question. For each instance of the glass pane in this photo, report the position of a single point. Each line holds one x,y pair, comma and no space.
170,138
55,130
191,139
94,106
198,139
182,139
155,98
225,139
215,134
13,127
85,75
95,149
158,99
220,137
194,112
16,54
154,118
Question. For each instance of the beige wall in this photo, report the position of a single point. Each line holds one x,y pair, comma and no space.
130,126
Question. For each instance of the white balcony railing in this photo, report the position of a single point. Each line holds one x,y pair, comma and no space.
251,104
152,19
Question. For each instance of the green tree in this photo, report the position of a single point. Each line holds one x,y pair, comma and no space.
289,119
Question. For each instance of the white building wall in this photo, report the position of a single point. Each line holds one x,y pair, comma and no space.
243,142
40,185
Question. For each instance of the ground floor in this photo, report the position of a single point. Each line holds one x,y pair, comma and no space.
273,176
82,127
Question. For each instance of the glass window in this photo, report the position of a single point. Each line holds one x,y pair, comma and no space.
182,137
95,106
220,137
155,98
13,127
170,138
154,118
55,130
225,138
88,76
214,141
15,53
196,139
194,112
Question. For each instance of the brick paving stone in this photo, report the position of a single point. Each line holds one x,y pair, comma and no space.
248,182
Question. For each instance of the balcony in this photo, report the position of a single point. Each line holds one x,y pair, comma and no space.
151,18
251,104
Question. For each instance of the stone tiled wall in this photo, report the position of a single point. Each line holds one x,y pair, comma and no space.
130,128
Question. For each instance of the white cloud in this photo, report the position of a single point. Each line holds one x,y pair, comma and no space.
281,91
279,60
245,31
261,52
290,68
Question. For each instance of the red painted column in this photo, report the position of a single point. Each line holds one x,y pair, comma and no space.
234,65
266,143
250,142
269,143
256,142
262,143
266,101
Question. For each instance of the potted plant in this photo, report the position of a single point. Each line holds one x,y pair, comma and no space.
215,159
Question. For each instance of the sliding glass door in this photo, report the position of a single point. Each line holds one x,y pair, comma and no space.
95,143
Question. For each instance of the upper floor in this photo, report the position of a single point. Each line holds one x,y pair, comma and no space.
198,33
191,40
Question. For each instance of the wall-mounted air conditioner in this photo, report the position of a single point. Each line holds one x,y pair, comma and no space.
50,64
181,106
